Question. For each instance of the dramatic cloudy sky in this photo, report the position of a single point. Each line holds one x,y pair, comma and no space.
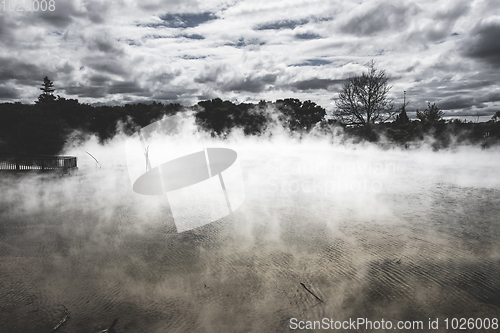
183,51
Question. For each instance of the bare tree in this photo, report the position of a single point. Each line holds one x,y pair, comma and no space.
363,99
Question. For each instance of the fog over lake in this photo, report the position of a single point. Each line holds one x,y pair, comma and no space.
373,233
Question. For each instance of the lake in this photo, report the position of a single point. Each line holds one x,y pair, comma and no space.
326,231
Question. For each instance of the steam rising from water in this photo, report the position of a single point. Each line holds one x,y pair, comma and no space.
399,235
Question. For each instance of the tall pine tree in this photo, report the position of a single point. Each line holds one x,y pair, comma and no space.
47,95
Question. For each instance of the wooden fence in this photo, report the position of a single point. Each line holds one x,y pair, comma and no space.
40,163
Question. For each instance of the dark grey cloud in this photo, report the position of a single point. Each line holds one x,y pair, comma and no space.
186,20
103,43
132,42
163,78
473,83
440,24
210,74
449,98
193,36
166,96
7,92
96,11
377,19
459,102
284,24
307,35
61,17
174,94
313,62
242,42
106,65
127,87
475,113
146,37
67,68
315,84
456,10
86,91
101,85
21,72
483,43
491,96
249,83
99,79
6,29
191,57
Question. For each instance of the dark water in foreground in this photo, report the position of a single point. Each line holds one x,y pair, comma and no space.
425,246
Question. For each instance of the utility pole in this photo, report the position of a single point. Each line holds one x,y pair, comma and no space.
404,100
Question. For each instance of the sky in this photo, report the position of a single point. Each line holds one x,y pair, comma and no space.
182,51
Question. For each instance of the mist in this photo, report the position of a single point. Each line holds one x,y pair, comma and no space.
372,232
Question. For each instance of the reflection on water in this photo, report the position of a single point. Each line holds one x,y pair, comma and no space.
423,246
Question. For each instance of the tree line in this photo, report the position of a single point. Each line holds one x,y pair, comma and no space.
364,112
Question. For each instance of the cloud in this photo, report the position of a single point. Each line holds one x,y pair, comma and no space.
186,20
6,30
244,42
482,42
8,93
170,5
96,11
131,87
61,17
368,20
284,24
86,91
21,72
314,62
105,64
316,84
105,44
459,102
307,35
249,83
211,73
193,36
170,96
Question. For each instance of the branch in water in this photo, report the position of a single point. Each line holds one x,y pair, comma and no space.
66,314
310,292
